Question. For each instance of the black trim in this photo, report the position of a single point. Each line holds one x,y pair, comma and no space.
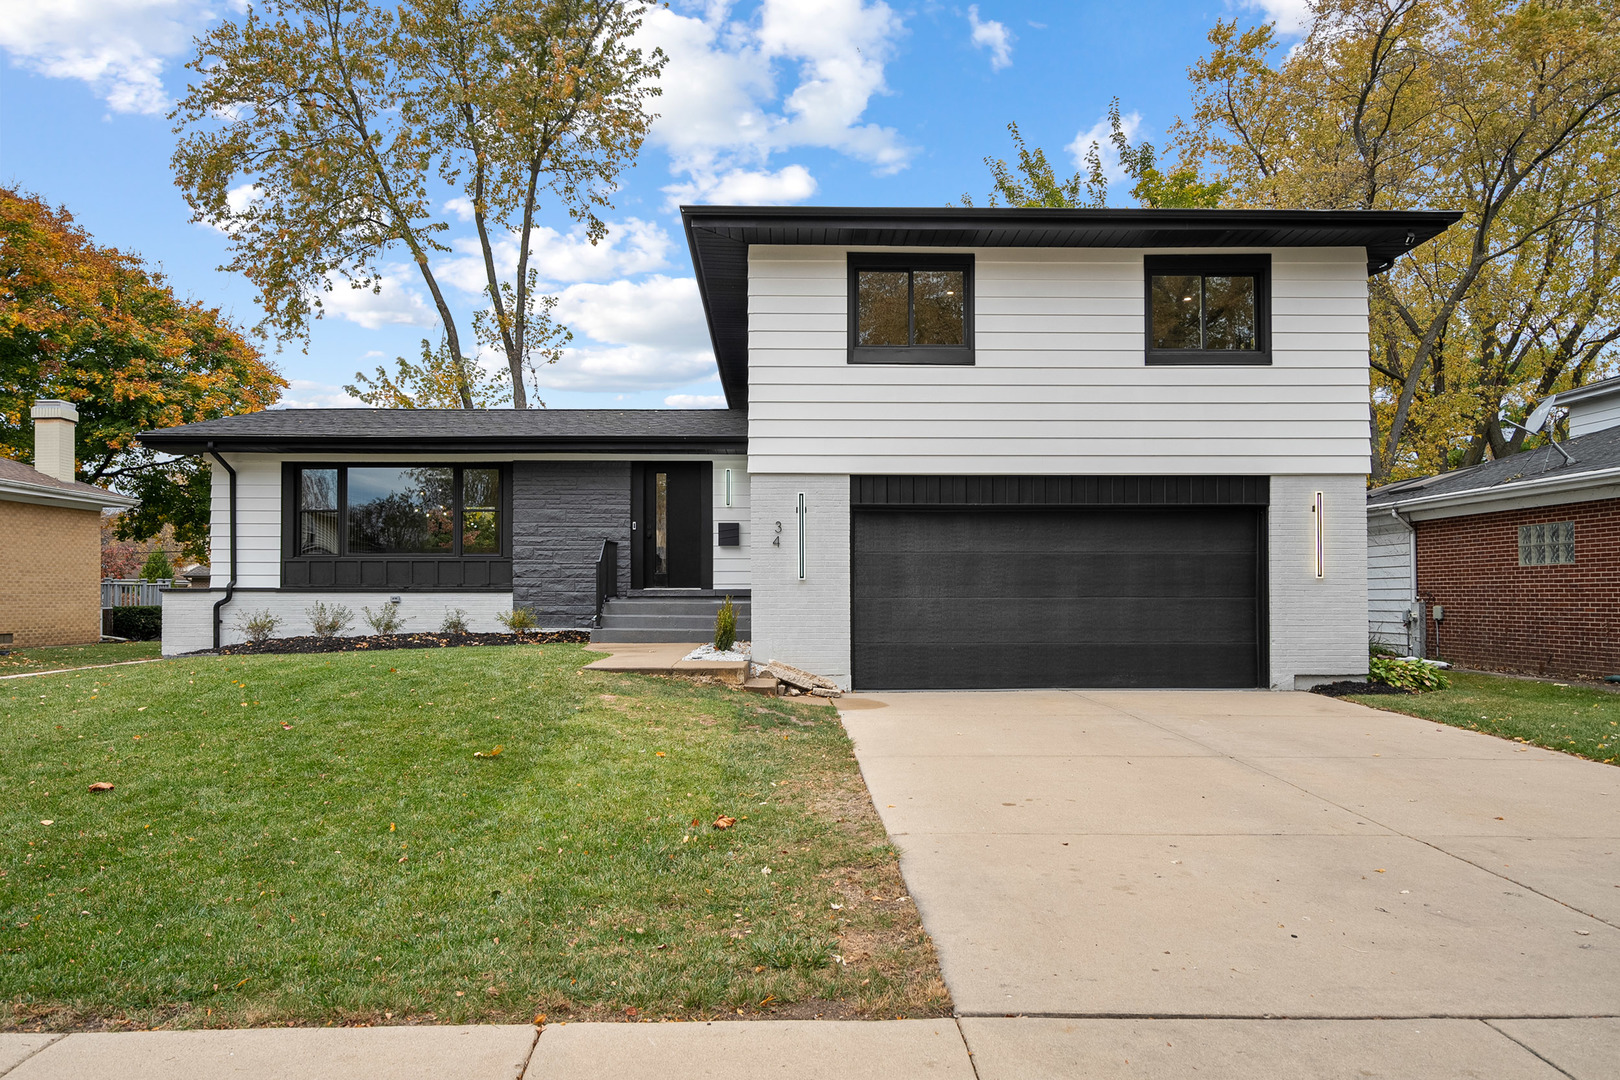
719,238
1056,492
1256,266
909,354
390,571
638,512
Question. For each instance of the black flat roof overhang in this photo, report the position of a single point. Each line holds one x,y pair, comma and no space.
720,236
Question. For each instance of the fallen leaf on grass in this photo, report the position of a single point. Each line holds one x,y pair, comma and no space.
48,822
492,753
101,785
721,822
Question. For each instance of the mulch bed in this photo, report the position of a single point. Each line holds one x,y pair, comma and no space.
376,642
1350,687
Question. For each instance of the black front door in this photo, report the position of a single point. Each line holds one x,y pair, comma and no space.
670,514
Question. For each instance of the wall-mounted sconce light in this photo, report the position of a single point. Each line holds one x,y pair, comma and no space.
728,487
1319,528
801,536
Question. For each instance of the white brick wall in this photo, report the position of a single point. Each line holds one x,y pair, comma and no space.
188,613
1318,625
803,623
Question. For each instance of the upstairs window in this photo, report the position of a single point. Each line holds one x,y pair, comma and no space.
1549,544
1208,309
910,309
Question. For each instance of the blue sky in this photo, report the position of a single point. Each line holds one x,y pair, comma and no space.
829,102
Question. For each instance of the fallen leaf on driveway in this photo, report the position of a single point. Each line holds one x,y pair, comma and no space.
101,785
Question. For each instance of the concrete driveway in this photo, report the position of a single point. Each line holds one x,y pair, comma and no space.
1281,882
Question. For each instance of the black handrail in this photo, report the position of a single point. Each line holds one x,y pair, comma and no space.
607,576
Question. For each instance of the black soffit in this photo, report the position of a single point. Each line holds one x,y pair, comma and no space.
719,238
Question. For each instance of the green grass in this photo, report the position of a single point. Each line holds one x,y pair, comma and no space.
310,839
58,657
1575,719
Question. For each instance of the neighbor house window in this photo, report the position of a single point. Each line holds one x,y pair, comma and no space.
910,309
1551,544
435,510
1208,309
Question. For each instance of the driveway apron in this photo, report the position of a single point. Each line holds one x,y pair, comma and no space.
1107,863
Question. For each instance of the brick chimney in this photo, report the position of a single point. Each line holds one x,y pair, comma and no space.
54,425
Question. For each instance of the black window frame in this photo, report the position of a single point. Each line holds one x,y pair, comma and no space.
951,355
393,571
1255,266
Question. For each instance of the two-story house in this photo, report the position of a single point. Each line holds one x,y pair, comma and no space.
965,448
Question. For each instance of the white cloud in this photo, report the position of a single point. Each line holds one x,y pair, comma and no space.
751,187
119,47
1293,17
992,35
721,109
695,401
305,394
1098,134
641,335
632,246
393,303
462,208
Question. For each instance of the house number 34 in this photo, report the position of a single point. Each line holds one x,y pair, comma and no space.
777,541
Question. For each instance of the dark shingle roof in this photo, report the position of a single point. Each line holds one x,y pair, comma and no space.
15,472
1592,453
472,430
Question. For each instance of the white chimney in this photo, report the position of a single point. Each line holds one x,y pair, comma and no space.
54,425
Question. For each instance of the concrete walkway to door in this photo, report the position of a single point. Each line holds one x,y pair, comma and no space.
1251,884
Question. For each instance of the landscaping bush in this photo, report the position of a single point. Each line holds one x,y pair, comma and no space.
455,621
157,566
725,627
520,620
329,621
257,626
1406,674
138,622
385,621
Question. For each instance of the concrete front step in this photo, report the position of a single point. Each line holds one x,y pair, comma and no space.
663,617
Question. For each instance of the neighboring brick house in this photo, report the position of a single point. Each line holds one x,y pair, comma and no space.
50,539
1520,556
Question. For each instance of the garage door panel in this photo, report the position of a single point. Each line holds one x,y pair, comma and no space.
1060,597
989,666
971,575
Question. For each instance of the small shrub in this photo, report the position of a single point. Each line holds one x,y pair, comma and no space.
455,622
157,566
329,621
138,622
385,621
725,627
257,626
520,620
1406,674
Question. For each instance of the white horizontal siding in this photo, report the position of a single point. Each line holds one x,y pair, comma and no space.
1389,579
731,563
1059,384
258,515
1586,417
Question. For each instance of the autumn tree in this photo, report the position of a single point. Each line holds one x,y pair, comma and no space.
323,136
92,325
1505,110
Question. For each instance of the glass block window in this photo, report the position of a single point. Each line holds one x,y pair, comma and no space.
1549,544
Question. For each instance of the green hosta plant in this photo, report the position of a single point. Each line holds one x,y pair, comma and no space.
1406,674
725,627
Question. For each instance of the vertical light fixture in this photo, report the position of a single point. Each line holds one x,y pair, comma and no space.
728,487
801,535
1320,546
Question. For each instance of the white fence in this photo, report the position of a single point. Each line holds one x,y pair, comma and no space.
125,592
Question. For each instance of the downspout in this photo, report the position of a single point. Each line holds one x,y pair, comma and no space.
230,586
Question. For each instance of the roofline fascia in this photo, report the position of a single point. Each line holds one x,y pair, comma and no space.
1500,492
1591,390
708,314
756,214
41,495
303,444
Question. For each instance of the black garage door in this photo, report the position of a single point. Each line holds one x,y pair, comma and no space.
994,598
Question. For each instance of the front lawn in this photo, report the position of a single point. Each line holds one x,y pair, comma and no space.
58,657
1576,719
311,839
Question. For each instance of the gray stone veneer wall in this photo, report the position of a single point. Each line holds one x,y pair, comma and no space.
561,513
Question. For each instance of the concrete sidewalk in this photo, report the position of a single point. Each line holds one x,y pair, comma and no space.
1252,884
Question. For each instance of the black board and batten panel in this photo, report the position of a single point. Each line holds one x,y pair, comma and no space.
984,582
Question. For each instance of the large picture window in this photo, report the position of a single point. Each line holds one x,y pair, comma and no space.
910,309
433,510
1208,309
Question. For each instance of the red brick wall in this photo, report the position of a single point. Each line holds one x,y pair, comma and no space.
1541,620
